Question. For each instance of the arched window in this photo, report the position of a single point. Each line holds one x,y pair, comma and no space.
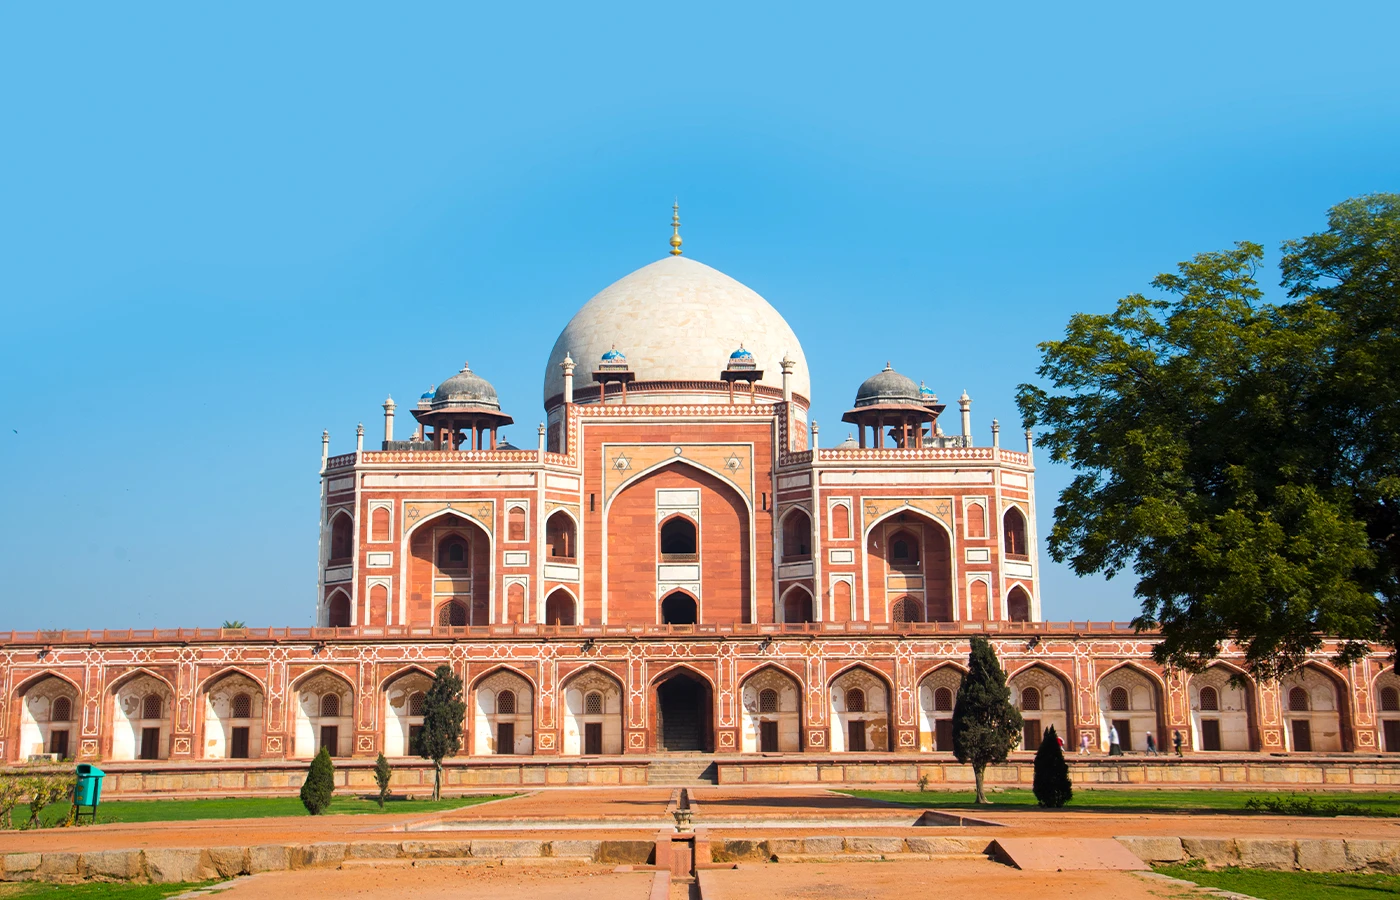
904,550
943,700
505,703
242,707
1210,699
342,538
63,710
379,524
515,524
338,613
452,553
415,703
797,606
559,609
840,522
1298,700
1118,699
593,704
797,536
1030,699
1015,534
976,521
855,700
330,705
453,614
559,535
768,700
678,609
1018,605
678,539
1390,700
906,610
151,706
841,599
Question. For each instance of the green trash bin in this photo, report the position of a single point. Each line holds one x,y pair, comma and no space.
87,793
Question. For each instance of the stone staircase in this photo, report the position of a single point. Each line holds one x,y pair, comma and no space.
687,769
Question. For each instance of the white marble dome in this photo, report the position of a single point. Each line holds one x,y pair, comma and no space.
675,320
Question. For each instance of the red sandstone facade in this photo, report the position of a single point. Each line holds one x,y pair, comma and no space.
678,565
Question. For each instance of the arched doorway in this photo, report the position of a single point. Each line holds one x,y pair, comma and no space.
559,608
909,565
683,714
797,606
678,608
1018,605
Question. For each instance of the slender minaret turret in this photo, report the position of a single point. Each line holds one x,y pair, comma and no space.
360,437
788,364
388,419
965,404
325,448
996,433
568,366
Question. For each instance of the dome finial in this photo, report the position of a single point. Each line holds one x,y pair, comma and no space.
676,228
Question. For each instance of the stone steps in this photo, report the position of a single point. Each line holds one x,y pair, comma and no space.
684,771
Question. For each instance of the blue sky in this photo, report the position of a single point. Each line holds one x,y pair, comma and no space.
222,230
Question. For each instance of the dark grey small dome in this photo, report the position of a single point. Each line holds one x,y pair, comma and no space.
887,386
466,388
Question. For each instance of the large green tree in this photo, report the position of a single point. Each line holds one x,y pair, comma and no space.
1242,457
986,726
443,714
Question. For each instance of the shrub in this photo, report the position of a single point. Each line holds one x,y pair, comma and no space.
382,774
319,785
1052,784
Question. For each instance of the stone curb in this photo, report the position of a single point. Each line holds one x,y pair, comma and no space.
1283,855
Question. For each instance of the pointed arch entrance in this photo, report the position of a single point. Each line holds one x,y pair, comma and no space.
684,713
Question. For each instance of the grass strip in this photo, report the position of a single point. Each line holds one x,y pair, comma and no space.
250,808
1269,885
1170,801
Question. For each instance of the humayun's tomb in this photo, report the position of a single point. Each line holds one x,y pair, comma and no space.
678,581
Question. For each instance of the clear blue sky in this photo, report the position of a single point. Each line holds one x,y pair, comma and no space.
222,230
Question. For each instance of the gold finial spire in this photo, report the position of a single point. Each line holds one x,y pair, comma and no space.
676,228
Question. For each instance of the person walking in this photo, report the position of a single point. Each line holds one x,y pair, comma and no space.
1176,742
1083,743
1114,749
1151,745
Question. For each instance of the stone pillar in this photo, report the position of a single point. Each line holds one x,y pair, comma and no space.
360,438
787,364
568,366
1030,447
815,431
389,419
996,434
325,448
965,405
543,431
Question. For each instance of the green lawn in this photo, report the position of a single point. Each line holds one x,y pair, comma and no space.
247,808
1386,804
94,891
1291,885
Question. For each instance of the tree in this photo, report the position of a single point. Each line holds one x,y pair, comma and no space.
382,775
986,727
233,623
443,714
320,784
1052,785
1242,457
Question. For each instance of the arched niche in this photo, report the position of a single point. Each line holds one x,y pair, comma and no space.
1222,710
233,717
323,714
404,695
142,708
938,691
1043,696
1315,711
592,713
448,571
771,699
50,718
503,707
860,712
1130,700
909,557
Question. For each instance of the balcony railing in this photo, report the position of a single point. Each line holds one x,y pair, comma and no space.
534,630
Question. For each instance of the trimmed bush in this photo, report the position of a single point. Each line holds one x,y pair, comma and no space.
319,785
382,774
1052,785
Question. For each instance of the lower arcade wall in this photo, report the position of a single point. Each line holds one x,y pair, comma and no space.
249,700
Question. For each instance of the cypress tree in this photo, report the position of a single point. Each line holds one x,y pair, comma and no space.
382,774
986,726
319,785
1052,784
443,714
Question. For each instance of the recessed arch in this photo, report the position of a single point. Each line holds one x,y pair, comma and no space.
678,536
31,680
1054,702
771,706
1015,531
561,534
795,529
1142,717
676,461
797,605
130,674
483,579
410,669
340,611
341,529
1018,604
224,672
1327,730
593,700
561,607
679,607
865,725
683,712
930,558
